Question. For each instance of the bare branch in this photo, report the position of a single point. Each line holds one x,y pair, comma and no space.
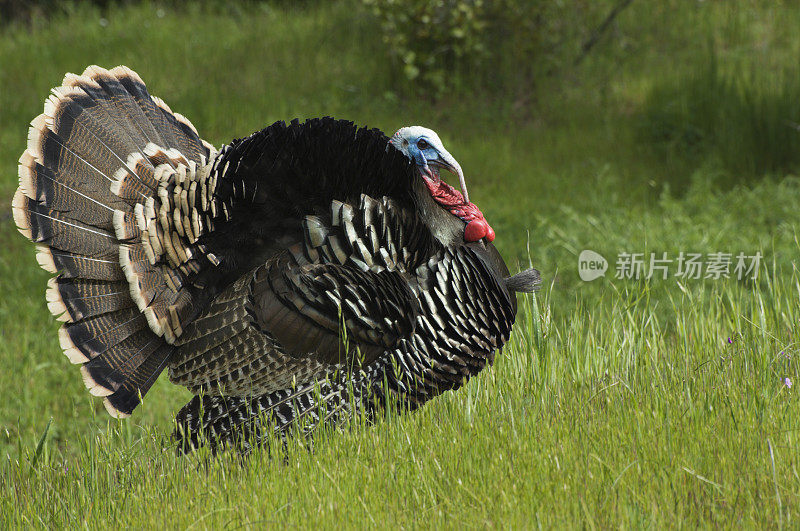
598,32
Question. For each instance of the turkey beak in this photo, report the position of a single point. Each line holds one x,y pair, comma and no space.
446,161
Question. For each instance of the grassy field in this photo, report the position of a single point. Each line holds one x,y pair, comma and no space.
618,402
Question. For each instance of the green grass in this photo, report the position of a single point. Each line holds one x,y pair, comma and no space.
622,404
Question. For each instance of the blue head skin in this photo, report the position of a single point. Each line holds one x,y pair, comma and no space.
424,147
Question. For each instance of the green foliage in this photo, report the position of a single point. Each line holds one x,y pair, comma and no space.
471,45
432,39
446,44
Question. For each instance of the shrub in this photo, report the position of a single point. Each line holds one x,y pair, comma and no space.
432,39
502,45
440,45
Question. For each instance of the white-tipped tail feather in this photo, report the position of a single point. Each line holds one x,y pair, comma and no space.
94,388
84,182
73,354
113,411
45,259
54,302
20,215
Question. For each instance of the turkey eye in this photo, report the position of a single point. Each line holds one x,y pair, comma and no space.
422,143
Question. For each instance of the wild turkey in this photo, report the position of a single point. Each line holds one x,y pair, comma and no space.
240,270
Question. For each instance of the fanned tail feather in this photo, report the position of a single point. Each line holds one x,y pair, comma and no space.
89,167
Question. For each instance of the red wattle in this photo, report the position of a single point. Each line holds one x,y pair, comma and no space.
475,230
452,200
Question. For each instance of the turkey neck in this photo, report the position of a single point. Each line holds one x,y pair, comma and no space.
449,230
446,227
